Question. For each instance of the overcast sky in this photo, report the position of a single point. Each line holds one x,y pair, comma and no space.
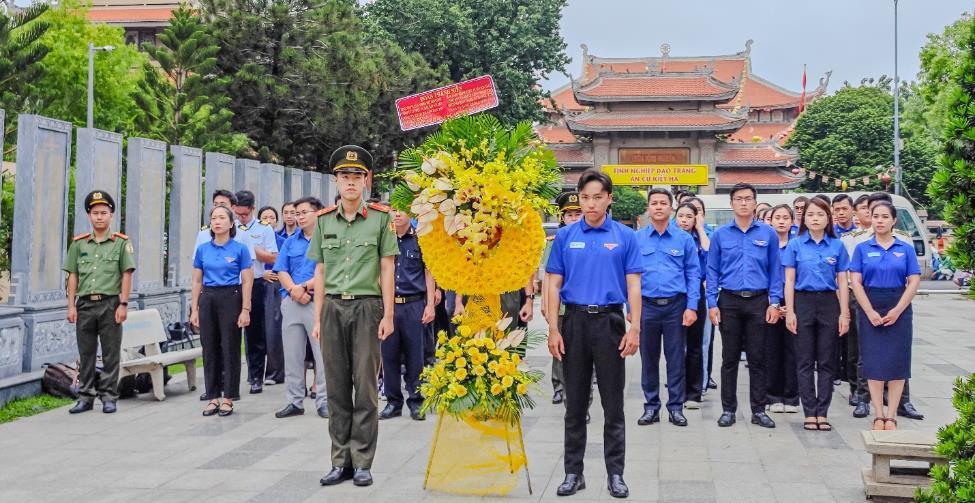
854,38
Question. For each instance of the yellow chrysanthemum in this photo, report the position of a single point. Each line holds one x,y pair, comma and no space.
493,366
507,381
479,370
460,374
522,388
496,389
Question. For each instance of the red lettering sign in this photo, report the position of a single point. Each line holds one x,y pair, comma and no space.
437,105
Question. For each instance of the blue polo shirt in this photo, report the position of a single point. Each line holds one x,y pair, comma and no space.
702,254
794,230
746,260
843,230
292,260
594,262
410,269
671,264
222,264
885,268
816,264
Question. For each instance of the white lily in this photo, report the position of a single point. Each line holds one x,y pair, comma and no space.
448,207
516,336
443,184
428,167
427,217
421,207
438,197
423,228
504,323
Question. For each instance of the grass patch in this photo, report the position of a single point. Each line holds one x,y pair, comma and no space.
26,407
179,367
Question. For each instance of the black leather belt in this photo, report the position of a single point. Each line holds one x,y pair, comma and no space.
747,294
346,296
594,309
406,299
95,297
663,301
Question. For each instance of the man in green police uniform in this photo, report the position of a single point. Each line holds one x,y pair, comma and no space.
99,268
355,247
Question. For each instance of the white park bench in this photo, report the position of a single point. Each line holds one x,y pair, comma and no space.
144,330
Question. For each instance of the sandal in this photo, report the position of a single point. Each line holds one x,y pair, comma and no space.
890,420
825,426
228,411
211,408
810,425
883,423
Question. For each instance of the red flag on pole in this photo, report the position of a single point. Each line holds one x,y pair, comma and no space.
802,100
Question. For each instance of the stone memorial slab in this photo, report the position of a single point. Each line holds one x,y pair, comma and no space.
145,211
219,175
332,190
247,176
322,193
312,183
184,214
40,210
293,184
11,341
99,166
272,187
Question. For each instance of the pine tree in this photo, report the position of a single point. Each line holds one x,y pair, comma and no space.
20,54
184,100
954,183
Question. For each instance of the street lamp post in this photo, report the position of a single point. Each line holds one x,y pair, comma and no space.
91,80
897,123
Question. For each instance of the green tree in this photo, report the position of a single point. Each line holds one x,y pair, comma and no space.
183,99
516,41
935,84
61,92
847,135
955,482
20,55
628,203
954,182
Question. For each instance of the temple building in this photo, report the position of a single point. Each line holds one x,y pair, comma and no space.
142,20
707,110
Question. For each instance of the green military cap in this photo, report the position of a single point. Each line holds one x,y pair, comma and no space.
350,159
96,197
568,201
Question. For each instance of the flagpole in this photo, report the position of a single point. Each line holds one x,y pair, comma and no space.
897,125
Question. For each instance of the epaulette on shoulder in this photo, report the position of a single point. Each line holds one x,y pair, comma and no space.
205,228
858,232
120,235
326,211
380,207
81,236
242,228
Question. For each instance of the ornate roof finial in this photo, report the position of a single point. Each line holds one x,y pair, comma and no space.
585,52
665,50
748,47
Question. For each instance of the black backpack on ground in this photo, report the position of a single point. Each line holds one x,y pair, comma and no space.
60,380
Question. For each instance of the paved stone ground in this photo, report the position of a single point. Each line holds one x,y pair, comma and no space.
167,451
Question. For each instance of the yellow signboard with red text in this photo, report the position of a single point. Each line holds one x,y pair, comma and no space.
657,174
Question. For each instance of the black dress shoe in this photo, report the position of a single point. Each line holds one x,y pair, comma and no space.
203,397
256,388
617,488
571,484
762,419
336,476
726,419
109,407
907,410
861,410
290,410
712,384
853,400
677,418
649,417
323,411
557,397
416,415
362,477
390,411
81,406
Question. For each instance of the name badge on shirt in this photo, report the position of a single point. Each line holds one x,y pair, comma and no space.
898,254
831,260
610,246
873,254
675,252
577,245
760,242
230,260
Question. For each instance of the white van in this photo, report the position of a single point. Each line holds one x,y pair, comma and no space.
719,212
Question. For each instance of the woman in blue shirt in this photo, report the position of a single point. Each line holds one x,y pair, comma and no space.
817,307
691,221
885,276
782,378
220,307
707,337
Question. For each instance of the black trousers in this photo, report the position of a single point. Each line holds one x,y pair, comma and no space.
220,339
96,325
254,337
782,378
854,363
694,354
742,328
818,330
592,340
406,343
272,331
